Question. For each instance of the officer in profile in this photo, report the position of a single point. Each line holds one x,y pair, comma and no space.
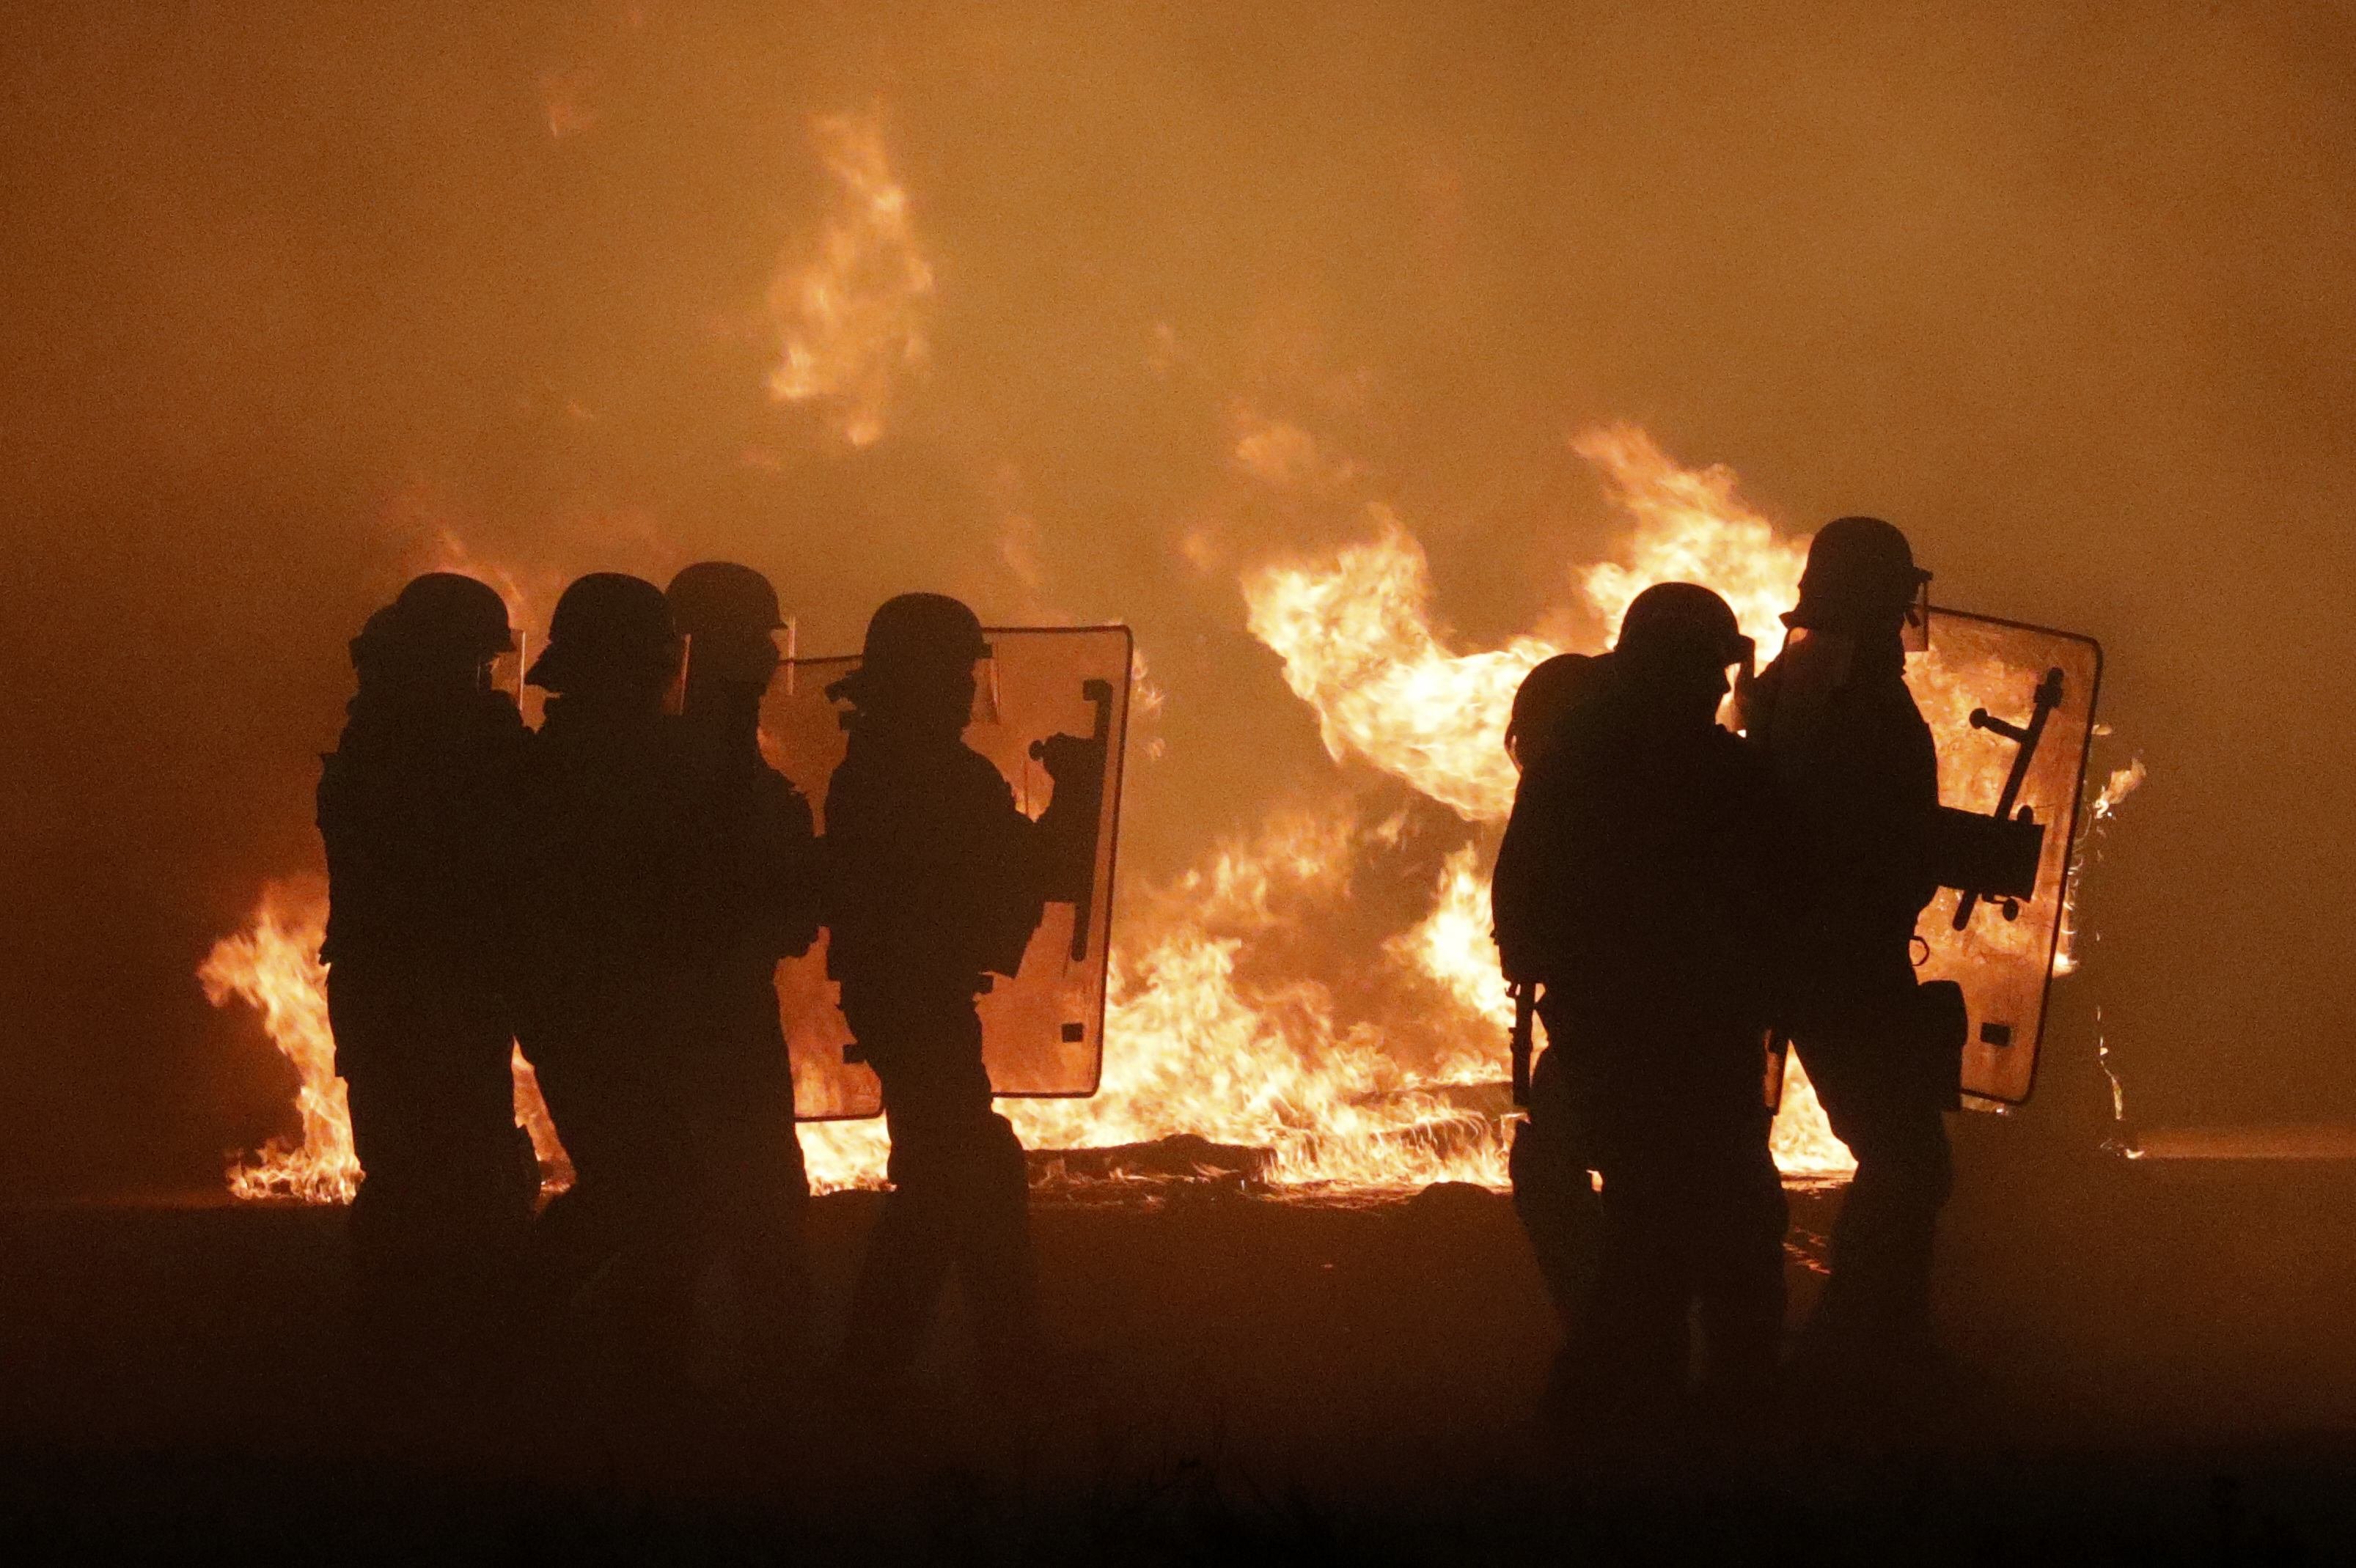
413,807
935,883
603,872
1638,876
751,900
1551,1162
1856,764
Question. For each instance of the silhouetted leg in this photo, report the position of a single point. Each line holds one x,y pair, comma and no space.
581,1228
915,1052
909,1254
1912,1176
752,1190
1740,1271
1883,1239
994,1257
960,1194
445,1197
1631,1359
765,1207
616,1253
1554,1191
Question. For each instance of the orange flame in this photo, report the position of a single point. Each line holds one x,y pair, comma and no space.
1356,639
1689,529
274,966
851,320
1200,1039
1355,632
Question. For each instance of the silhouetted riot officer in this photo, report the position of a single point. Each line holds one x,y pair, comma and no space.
415,807
750,899
1637,876
1551,1162
604,867
1856,762
935,883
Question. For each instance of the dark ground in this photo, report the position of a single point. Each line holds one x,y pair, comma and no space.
2154,1366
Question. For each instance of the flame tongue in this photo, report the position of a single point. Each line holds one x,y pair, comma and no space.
852,319
1358,646
274,966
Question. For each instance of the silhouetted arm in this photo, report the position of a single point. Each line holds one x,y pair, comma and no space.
1524,916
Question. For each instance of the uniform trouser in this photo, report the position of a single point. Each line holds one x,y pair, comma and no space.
751,1190
449,1176
1871,1074
1693,1217
959,1198
620,1241
1552,1163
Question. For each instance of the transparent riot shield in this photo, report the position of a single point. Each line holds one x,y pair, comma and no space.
1042,1030
2012,708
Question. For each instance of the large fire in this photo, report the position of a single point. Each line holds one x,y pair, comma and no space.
1365,1069
1256,1001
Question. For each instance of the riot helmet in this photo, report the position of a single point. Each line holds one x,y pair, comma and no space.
1676,641
376,649
919,633
727,613
1680,622
610,630
436,641
918,660
446,612
1553,691
1860,577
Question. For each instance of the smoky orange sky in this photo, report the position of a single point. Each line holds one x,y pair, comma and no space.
2066,293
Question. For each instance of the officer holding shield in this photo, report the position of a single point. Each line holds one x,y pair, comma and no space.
751,899
1855,766
936,881
415,807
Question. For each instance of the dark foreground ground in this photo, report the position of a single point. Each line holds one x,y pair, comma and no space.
2157,1363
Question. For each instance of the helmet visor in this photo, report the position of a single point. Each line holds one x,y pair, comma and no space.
505,671
1915,632
989,706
